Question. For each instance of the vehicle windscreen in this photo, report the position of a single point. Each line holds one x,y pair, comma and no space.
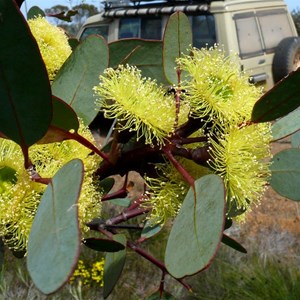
145,28
203,28
99,29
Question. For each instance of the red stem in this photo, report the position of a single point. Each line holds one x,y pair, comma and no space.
146,255
177,98
122,193
89,145
190,180
126,215
154,261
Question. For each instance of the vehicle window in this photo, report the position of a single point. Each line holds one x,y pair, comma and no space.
129,28
151,28
100,29
146,28
250,43
275,26
204,31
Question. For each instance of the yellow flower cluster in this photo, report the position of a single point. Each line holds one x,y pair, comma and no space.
19,196
89,275
167,191
216,93
221,97
239,155
217,90
139,104
52,42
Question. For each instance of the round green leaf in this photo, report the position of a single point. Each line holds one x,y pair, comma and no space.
73,42
161,296
34,12
177,41
125,202
285,170
64,116
107,184
282,99
26,104
146,55
54,240
80,73
232,243
295,139
1,255
286,125
150,230
198,228
64,119
103,245
113,266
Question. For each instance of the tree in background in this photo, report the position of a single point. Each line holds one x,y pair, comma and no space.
296,18
83,11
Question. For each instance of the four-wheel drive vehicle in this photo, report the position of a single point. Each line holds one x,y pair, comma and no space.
262,32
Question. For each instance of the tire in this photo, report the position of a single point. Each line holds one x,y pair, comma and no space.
286,58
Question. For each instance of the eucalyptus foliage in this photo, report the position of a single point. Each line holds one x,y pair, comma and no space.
186,119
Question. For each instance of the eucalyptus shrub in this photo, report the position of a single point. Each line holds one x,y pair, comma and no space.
185,119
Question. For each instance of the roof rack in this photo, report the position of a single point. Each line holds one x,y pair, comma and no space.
115,4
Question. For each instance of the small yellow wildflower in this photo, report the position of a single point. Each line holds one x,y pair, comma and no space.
216,89
19,196
98,272
239,156
89,275
52,42
138,103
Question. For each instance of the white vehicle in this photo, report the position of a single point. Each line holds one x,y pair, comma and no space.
262,32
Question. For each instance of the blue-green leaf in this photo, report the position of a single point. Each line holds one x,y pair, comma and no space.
282,99
34,12
285,170
161,296
177,41
80,73
198,228
113,267
150,230
125,202
26,102
286,125
103,245
295,139
54,240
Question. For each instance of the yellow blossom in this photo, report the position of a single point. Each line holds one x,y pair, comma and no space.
167,191
52,42
240,156
216,89
19,196
49,158
138,103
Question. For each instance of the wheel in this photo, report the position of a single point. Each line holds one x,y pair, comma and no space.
286,58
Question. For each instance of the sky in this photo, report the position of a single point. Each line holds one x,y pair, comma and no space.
292,4
49,3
